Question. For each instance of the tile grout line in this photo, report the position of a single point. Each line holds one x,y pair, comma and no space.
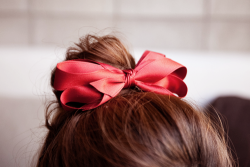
30,24
206,25
116,16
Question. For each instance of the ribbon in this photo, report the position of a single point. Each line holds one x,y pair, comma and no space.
88,84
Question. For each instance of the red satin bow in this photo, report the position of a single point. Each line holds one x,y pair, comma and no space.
93,83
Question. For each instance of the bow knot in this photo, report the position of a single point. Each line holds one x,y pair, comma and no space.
129,78
90,84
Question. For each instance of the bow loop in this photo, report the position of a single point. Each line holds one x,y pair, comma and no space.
86,84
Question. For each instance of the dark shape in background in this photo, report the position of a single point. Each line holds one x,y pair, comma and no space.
236,111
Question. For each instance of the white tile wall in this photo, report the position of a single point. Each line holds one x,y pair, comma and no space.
14,31
163,34
173,24
12,5
230,8
64,32
161,8
76,6
229,36
22,118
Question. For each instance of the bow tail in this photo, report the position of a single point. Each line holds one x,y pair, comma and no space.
153,88
109,86
169,85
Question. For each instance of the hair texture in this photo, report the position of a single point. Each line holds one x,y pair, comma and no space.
134,129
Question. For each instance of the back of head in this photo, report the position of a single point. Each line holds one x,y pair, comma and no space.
133,129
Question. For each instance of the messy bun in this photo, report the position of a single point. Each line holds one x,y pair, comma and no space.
133,129
106,49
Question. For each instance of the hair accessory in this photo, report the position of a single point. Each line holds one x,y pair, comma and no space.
91,83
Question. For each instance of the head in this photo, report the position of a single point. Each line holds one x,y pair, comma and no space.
133,129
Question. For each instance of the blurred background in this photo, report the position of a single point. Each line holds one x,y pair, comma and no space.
210,37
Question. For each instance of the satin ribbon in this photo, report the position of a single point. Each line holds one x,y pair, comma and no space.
91,83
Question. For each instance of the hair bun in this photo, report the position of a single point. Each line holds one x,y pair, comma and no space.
106,49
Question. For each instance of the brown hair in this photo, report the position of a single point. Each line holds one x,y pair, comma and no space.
134,129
